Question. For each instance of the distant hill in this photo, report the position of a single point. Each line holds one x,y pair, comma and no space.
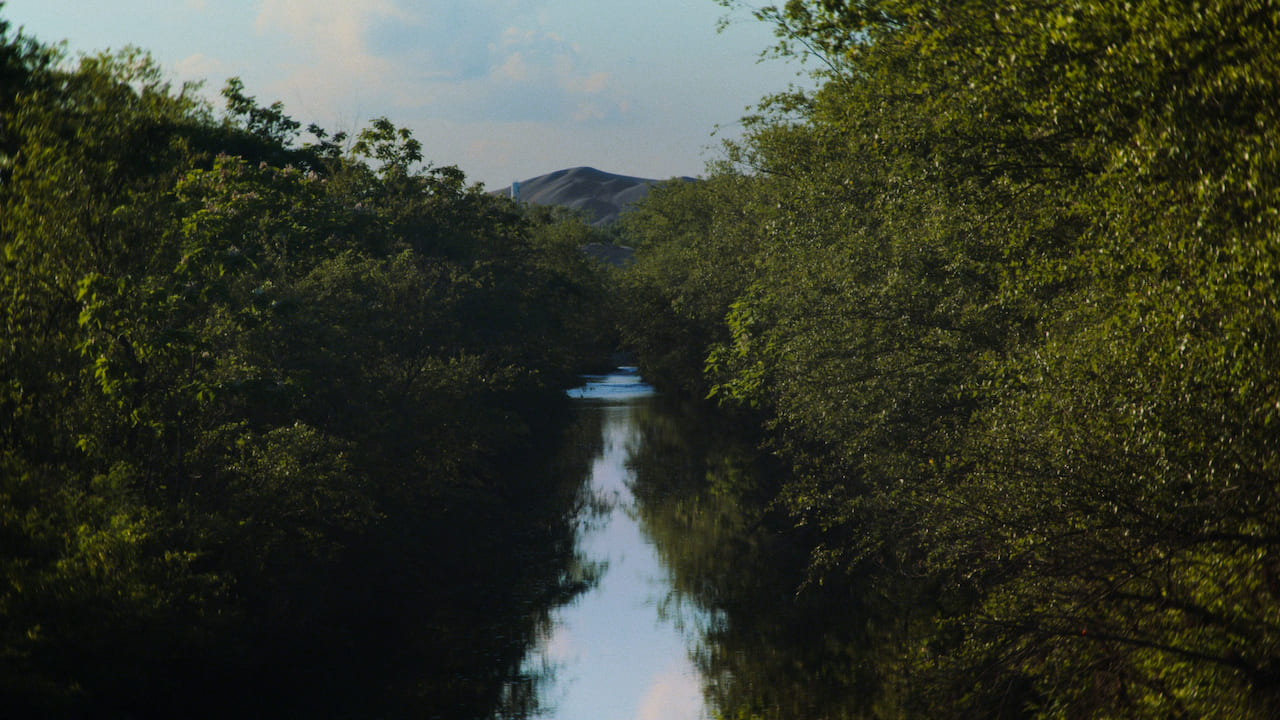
603,196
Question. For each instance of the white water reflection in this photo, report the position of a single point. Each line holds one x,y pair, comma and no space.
615,658
623,384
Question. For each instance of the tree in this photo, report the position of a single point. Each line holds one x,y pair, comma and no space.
254,389
1015,275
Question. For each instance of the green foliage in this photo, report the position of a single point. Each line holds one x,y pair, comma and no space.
693,246
251,390
764,649
1009,313
396,149
270,124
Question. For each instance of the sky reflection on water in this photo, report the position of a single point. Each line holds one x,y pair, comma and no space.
616,659
623,384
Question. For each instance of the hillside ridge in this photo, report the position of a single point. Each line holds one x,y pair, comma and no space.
603,196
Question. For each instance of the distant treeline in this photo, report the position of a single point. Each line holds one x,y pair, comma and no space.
271,411
1002,291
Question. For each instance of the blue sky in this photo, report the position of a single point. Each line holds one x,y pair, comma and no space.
505,89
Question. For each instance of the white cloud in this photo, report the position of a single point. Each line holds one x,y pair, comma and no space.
335,26
514,68
515,35
587,112
593,83
465,61
338,24
537,75
331,60
201,67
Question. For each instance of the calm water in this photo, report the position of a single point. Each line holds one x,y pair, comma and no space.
617,652
698,611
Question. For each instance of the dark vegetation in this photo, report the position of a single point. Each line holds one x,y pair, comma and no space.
273,413
1001,293
998,297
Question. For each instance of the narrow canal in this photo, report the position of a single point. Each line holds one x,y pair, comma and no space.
697,609
617,652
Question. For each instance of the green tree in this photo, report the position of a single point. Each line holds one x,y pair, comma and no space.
1008,314
694,251
255,388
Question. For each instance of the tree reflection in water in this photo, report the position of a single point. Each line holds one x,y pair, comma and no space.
547,569
768,644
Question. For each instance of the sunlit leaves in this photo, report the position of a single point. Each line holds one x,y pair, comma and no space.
1013,318
236,373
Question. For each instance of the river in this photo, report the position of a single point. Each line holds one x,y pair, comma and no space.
697,610
616,653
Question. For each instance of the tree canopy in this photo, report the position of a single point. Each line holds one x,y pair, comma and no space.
1003,290
266,406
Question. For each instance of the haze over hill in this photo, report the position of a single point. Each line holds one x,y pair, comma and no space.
603,196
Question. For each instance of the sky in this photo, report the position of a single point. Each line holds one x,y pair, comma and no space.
504,89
